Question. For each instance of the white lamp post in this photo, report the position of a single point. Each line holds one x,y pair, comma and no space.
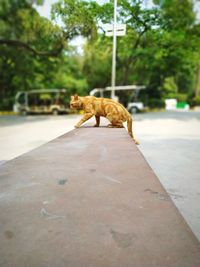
114,30
113,79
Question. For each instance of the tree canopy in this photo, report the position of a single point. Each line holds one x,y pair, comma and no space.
160,50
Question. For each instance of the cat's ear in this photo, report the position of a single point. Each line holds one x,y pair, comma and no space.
75,97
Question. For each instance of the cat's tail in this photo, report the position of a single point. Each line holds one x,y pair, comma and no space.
130,131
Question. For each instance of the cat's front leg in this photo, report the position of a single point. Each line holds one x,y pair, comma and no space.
97,121
86,117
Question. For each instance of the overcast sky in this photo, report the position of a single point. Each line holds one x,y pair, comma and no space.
45,10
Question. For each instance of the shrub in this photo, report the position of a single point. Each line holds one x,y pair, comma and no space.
197,100
156,103
6,104
182,97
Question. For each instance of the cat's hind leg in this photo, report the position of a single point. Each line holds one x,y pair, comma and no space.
115,122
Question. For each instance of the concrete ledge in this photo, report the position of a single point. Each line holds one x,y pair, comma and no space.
89,198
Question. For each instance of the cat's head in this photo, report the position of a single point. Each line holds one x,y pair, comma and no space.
75,102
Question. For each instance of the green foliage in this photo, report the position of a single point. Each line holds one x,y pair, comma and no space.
22,70
78,17
182,97
196,101
170,87
156,103
97,67
160,50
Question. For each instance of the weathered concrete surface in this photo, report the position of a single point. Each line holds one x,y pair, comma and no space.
89,198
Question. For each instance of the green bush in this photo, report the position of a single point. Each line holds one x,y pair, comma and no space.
6,104
156,103
197,100
182,97
169,87
194,101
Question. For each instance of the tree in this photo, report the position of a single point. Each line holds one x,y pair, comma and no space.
33,53
160,50
22,27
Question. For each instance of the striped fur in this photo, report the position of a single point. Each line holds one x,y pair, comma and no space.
102,107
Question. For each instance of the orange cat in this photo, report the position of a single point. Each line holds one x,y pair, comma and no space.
108,108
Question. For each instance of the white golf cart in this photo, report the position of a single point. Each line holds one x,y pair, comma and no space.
132,107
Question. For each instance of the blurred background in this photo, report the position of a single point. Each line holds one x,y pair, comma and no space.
52,49
62,45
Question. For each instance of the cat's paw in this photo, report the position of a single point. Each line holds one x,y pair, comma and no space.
136,142
96,125
76,126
